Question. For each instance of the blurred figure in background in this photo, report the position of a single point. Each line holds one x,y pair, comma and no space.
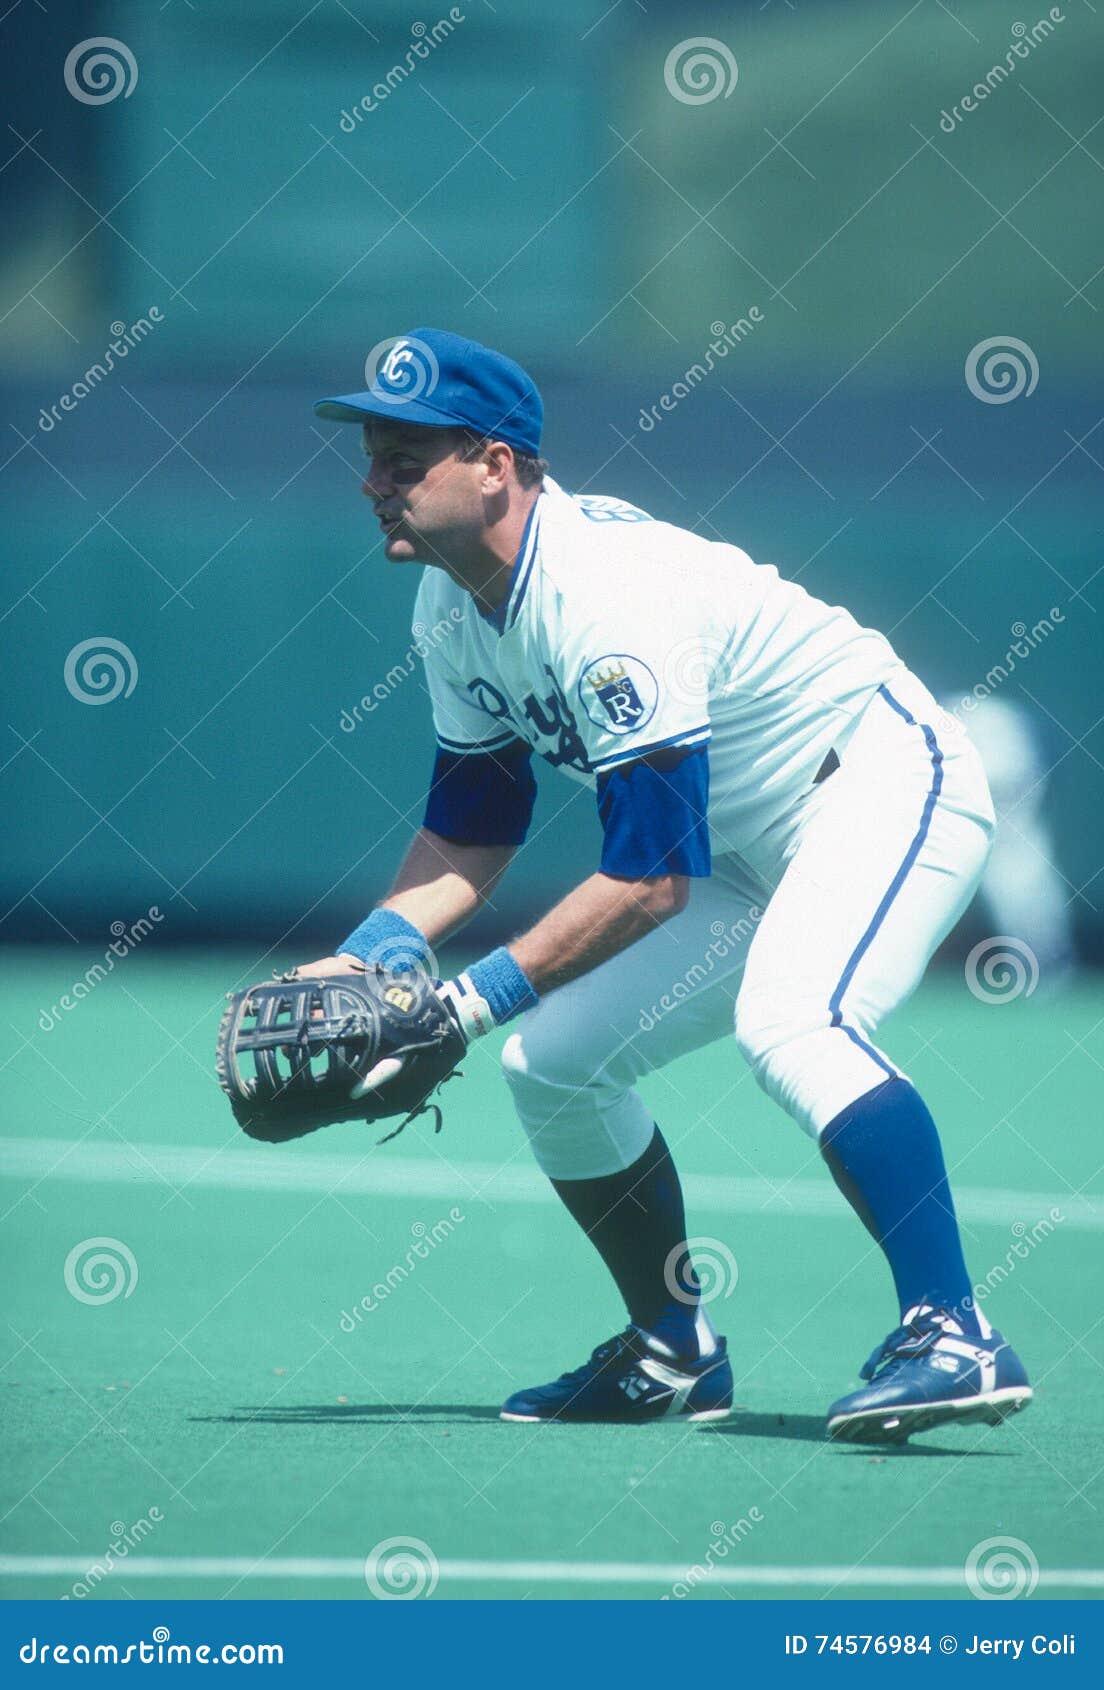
1021,891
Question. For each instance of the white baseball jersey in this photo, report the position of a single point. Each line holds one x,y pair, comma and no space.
622,635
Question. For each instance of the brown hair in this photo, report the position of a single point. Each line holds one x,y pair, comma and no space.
530,470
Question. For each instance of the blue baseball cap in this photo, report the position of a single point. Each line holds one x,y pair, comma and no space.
433,379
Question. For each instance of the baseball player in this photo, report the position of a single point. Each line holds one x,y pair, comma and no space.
763,767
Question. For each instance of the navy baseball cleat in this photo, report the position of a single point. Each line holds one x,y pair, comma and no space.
630,1379
928,1373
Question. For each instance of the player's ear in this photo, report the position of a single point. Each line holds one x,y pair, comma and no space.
498,462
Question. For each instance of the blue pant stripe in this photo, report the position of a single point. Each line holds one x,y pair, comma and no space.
875,1055
835,1003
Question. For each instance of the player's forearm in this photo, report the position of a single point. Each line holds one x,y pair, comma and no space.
441,884
598,919
601,917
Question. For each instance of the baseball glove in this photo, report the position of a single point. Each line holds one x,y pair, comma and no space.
295,1055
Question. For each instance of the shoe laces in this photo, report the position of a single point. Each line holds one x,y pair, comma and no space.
601,1356
914,1338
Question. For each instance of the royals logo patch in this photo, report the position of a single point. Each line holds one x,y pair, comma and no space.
619,693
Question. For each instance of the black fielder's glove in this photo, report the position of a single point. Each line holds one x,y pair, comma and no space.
295,1055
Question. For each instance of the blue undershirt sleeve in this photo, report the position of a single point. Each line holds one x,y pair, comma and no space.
482,797
653,815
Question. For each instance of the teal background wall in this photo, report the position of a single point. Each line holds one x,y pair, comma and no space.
532,182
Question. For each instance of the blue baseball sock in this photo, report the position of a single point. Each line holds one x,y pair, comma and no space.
884,1154
636,1221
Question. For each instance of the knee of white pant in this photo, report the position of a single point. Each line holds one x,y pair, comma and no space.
535,1055
768,1020
808,1063
579,1126
748,1029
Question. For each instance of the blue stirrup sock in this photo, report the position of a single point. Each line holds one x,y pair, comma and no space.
883,1152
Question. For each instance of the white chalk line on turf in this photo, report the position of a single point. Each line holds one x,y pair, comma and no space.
293,1169
531,1572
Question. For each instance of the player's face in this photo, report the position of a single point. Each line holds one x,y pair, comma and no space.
426,497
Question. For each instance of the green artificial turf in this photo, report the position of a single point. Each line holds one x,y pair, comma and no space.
226,1393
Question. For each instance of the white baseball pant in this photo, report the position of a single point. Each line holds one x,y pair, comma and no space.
798,948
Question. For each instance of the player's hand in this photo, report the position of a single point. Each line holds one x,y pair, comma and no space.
328,966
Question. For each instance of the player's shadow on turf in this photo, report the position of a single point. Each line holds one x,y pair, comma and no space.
354,1413
803,1428
809,1428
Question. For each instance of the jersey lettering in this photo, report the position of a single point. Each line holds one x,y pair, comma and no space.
597,507
552,720
488,697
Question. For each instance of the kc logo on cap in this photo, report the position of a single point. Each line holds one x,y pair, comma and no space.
402,369
431,378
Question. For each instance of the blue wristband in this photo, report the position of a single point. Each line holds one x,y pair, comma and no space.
387,937
502,984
